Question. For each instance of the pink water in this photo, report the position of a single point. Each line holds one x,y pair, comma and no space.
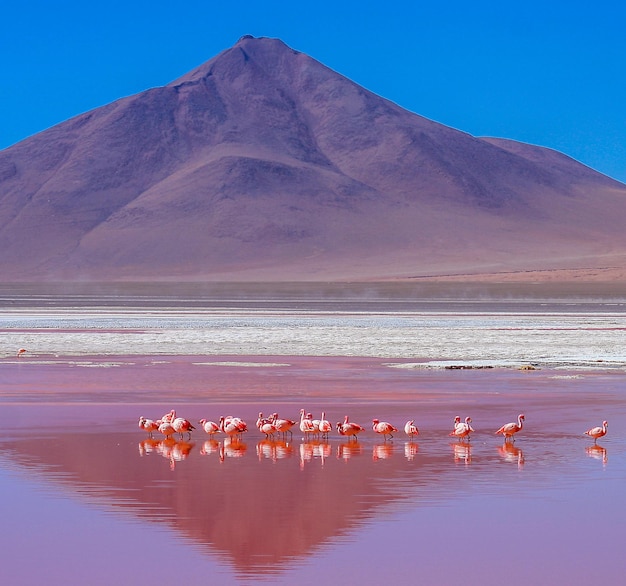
87,498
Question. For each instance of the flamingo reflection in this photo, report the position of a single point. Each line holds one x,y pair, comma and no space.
598,453
209,447
382,451
273,449
148,446
349,449
510,453
462,453
410,449
232,447
314,449
169,448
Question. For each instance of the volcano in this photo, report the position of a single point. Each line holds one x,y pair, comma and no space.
264,165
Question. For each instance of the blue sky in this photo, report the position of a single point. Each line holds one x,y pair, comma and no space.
547,73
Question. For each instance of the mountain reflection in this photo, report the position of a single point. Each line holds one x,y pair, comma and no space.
260,505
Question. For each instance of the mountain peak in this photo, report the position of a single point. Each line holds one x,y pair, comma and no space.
263,163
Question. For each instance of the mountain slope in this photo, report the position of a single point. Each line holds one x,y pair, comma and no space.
264,164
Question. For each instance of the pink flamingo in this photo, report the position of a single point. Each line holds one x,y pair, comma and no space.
21,352
349,429
266,426
315,423
509,429
165,427
283,425
261,420
232,426
306,425
324,426
384,428
462,430
169,416
411,429
596,432
182,426
209,427
148,425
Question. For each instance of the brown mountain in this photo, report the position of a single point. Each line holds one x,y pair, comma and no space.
263,164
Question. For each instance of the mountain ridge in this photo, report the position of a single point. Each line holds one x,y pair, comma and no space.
263,163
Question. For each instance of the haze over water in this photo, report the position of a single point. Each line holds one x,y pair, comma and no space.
98,502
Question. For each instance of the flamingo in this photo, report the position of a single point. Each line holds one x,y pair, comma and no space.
232,426
411,429
169,416
261,420
21,352
306,425
384,428
596,432
462,430
324,426
283,425
182,425
509,429
315,423
266,426
148,425
237,422
165,427
209,427
349,429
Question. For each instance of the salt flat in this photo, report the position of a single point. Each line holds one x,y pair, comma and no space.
442,338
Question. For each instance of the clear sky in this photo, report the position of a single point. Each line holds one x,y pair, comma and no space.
551,73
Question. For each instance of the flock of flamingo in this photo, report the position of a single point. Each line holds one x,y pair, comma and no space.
272,426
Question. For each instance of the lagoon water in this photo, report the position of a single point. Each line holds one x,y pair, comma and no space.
90,499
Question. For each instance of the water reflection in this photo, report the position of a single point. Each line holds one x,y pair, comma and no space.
410,450
310,450
171,449
510,453
223,494
349,449
462,453
210,447
598,453
232,447
274,449
382,451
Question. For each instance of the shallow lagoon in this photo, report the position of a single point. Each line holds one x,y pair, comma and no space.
95,501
